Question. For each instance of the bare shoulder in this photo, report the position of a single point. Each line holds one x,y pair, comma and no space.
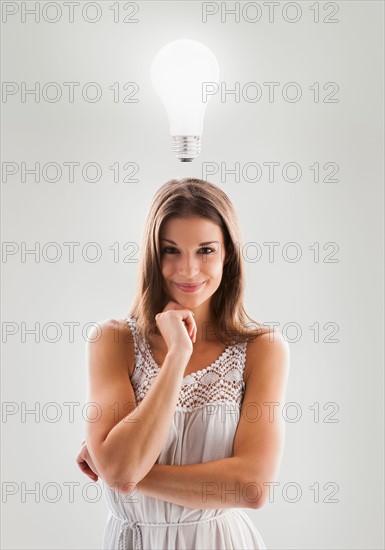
114,336
270,351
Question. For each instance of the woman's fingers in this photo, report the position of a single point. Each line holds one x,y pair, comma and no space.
191,325
87,470
82,461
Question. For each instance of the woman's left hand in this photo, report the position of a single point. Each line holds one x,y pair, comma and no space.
85,463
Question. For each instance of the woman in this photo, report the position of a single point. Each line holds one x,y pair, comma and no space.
190,398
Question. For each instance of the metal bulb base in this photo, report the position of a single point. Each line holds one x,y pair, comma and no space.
186,148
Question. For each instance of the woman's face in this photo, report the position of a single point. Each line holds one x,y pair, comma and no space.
192,251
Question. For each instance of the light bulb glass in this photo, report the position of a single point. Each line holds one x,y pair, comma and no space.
178,73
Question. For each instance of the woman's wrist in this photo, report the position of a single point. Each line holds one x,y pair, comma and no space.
179,352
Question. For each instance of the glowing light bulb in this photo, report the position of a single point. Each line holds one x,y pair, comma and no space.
178,73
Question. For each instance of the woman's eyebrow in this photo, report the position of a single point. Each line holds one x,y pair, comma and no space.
200,244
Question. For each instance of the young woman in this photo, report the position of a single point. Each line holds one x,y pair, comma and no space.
190,397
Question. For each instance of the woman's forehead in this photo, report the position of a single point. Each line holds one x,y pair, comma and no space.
196,230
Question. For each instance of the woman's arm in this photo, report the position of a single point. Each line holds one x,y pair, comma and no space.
208,485
124,439
215,484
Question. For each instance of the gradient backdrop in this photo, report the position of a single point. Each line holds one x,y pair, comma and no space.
322,207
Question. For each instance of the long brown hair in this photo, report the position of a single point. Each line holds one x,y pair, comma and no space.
180,199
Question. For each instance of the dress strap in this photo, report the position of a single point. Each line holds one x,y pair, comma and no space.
135,334
140,346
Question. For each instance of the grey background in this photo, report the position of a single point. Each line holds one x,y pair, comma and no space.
349,293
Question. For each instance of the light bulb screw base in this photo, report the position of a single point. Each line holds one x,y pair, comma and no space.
186,148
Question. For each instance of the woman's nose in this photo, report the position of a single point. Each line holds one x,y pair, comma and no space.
189,266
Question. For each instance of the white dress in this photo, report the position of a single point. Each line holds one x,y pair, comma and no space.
203,429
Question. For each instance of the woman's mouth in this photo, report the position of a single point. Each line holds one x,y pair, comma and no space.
189,288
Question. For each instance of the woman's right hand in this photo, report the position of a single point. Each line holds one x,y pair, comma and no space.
177,326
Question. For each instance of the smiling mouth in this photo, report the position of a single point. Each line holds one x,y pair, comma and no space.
189,284
189,287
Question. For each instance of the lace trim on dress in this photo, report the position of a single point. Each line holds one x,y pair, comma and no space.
220,382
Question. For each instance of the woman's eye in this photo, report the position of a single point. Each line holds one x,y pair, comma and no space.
167,249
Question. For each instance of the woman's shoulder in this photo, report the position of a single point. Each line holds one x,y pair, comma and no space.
110,331
266,336
269,343
115,338
113,326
